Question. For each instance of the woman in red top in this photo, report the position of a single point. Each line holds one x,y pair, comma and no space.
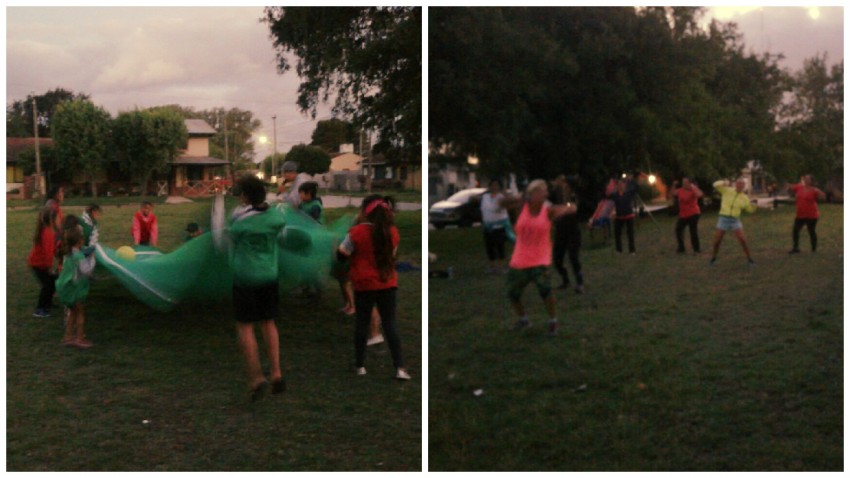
807,211
371,247
40,259
688,196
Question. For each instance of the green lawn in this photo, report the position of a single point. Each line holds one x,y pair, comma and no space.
167,391
664,363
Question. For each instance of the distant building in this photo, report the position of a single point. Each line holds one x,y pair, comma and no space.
194,172
19,186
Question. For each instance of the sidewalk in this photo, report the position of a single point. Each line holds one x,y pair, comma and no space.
331,202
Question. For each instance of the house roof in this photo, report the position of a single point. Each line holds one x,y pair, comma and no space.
203,160
199,127
15,146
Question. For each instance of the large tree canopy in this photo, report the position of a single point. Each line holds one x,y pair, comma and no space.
329,134
147,141
310,159
19,121
598,91
368,59
81,138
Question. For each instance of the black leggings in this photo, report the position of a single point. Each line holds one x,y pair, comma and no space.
630,231
364,301
810,225
691,222
570,246
48,288
494,240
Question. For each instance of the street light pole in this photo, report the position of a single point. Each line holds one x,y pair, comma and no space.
274,146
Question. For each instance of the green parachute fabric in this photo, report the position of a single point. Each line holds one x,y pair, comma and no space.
200,270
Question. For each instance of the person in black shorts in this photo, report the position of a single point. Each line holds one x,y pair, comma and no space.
254,230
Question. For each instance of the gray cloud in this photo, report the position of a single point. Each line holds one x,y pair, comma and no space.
140,57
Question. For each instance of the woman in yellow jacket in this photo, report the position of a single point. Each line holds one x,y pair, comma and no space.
733,202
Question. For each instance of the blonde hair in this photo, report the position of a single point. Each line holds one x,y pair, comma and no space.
535,185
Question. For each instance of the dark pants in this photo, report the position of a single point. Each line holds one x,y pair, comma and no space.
810,225
691,222
494,240
385,300
48,288
630,231
569,245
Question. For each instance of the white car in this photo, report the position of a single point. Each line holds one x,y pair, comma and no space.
463,209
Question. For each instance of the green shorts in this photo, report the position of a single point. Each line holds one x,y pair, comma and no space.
519,278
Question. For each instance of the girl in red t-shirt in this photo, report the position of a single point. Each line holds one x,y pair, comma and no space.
371,247
40,259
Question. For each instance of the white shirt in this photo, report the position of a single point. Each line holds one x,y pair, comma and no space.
491,210
292,196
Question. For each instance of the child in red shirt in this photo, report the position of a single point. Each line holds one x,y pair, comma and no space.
40,259
807,211
145,230
371,247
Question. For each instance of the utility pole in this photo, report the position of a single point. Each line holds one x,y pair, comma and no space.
274,147
38,178
226,148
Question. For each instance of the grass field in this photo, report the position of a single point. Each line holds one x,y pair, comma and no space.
664,363
168,392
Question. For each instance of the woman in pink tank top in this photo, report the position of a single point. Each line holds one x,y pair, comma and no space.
532,254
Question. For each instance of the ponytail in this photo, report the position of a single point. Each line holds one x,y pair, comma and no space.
378,211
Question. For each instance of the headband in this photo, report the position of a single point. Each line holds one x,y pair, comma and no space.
374,204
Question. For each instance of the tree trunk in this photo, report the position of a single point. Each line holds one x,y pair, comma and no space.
146,177
93,185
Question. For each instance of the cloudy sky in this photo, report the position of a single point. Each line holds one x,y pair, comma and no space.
127,57
205,57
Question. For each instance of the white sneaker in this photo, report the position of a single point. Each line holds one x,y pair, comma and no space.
378,339
400,374
361,371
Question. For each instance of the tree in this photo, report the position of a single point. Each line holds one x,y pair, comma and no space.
81,137
147,141
19,121
266,164
598,92
310,159
812,121
368,59
329,134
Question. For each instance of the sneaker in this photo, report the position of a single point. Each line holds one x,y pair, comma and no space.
751,262
378,339
278,386
401,374
579,289
553,328
361,371
522,324
794,251
41,313
712,261
82,344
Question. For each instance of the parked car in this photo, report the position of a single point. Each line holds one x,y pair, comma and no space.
463,209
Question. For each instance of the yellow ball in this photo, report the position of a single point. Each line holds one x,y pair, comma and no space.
126,253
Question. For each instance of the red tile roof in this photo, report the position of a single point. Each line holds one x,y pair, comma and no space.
15,146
